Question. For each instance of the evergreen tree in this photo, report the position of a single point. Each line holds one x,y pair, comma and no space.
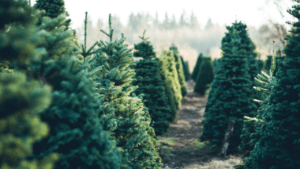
278,146
232,95
216,64
179,69
151,85
196,68
186,71
171,82
132,129
53,9
21,98
76,132
260,64
268,63
205,76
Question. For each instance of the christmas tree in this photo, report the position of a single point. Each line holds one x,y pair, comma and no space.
132,129
76,131
278,145
231,96
205,76
53,9
186,69
179,69
151,85
171,82
268,63
22,98
196,68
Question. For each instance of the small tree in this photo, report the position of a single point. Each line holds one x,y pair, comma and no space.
179,69
151,85
186,71
132,128
171,82
196,68
268,63
205,76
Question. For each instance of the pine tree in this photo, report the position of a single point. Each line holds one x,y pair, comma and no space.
76,132
151,85
278,146
230,99
171,82
268,63
186,71
205,76
132,129
179,69
260,64
196,68
53,9
20,109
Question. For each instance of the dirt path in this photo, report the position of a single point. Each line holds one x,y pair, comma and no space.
180,147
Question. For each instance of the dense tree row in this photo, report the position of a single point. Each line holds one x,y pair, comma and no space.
64,106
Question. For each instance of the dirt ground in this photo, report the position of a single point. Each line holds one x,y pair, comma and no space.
180,147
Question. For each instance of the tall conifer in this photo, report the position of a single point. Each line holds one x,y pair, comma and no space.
132,128
278,146
151,85
205,76
231,98
196,68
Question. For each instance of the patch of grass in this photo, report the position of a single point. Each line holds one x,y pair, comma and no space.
194,146
168,140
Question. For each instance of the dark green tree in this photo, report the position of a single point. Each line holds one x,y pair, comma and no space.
172,86
151,85
76,131
260,65
205,76
268,63
53,9
132,128
231,97
196,68
278,146
21,98
179,69
186,71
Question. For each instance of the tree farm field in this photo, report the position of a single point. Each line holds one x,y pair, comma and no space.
180,147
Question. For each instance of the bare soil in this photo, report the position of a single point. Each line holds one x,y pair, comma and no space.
180,147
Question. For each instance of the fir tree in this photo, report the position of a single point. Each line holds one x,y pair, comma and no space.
76,132
151,85
278,146
179,69
171,82
231,97
205,76
196,68
260,64
132,129
53,9
268,63
21,99
216,64
186,71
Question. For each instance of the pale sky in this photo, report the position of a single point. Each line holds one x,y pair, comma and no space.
251,12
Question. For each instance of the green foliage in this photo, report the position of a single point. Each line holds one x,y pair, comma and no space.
76,132
260,64
171,82
179,69
21,99
205,76
196,68
278,145
186,69
231,96
132,128
268,64
151,85
53,9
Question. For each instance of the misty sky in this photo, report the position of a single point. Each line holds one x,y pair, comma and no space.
251,12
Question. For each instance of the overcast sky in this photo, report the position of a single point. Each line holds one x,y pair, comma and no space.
251,12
